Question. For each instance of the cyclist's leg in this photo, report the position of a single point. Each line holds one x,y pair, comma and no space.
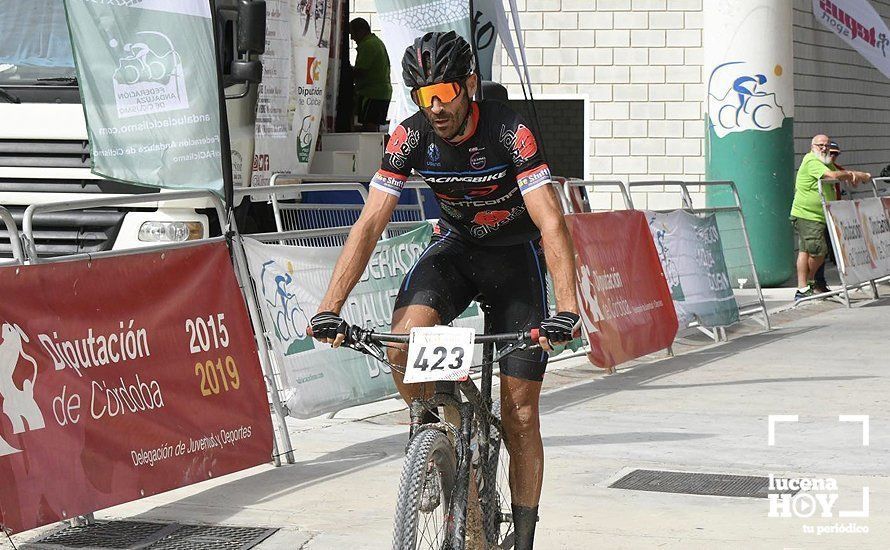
516,307
433,292
403,320
436,292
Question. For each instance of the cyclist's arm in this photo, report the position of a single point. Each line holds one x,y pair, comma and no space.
546,212
358,248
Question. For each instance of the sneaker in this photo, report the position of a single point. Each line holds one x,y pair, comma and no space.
798,295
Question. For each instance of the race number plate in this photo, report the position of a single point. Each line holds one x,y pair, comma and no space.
439,353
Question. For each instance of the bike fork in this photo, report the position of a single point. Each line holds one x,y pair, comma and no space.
457,529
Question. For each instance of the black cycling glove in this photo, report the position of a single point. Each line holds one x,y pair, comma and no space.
327,324
560,327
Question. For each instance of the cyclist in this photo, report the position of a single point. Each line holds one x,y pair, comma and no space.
740,86
500,219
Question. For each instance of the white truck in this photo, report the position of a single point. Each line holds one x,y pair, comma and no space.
45,155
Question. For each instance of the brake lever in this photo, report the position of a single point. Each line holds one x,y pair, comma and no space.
510,348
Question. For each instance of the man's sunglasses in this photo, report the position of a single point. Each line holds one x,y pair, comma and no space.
445,91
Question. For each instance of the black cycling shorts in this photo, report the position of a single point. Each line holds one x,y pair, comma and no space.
451,272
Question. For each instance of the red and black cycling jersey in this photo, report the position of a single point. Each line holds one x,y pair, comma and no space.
479,182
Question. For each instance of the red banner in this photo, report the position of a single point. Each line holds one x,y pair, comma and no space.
121,378
623,295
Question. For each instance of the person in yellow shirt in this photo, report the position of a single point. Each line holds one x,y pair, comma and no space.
807,216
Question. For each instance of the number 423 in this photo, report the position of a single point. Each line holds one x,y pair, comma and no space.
425,356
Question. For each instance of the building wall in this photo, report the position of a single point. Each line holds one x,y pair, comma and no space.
639,62
839,93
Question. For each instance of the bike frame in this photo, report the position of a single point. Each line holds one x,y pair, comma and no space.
479,403
447,394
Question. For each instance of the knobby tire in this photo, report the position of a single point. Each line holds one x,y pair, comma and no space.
412,524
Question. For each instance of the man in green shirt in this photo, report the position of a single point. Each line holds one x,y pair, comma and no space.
371,75
806,211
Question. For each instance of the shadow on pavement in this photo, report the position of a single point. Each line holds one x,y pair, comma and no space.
641,376
272,485
217,504
880,302
619,438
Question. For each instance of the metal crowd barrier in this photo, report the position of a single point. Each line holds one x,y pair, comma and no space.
757,310
844,292
15,243
297,215
881,186
577,193
561,196
876,187
32,257
331,235
120,200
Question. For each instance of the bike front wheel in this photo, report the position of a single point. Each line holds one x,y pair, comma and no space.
424,500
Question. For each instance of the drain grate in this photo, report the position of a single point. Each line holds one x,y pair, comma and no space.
142,535
113,534
198,537
693,483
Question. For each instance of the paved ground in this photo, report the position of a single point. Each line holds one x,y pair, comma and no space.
704,410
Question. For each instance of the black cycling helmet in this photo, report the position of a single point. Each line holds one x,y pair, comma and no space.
436,57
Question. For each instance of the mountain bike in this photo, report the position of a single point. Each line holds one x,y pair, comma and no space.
441,457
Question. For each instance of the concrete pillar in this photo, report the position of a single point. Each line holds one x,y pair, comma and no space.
750,115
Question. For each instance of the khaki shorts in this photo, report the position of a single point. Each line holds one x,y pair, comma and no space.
810,236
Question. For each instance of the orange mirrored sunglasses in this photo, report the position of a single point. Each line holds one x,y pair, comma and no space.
445,91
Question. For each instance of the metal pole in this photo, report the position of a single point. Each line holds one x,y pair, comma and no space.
834,237
687,199
263,350
474,42
628,200
224,144
738,202
13,231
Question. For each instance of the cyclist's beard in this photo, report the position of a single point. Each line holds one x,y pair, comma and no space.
451,124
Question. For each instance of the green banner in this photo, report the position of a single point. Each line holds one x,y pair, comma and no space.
291,282
148,82
691,255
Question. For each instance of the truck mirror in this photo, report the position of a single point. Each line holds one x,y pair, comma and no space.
251,26
246,71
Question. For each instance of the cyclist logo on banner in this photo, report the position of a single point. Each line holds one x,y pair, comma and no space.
149,76
18,374
289,319
671,273
313,14
742,98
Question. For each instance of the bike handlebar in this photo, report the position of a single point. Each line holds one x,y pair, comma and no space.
357,334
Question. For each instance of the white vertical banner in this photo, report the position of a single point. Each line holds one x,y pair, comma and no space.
750,82
858,24
291,95
491,24
404,20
